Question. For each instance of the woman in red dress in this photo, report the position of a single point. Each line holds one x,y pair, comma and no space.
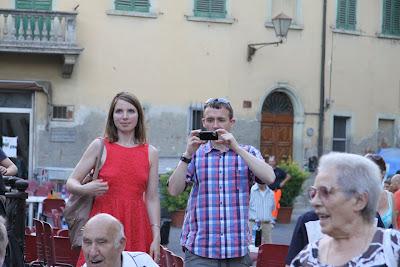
127,186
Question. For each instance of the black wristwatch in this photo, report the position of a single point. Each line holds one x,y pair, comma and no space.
185,159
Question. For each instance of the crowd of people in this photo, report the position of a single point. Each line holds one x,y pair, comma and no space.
353,222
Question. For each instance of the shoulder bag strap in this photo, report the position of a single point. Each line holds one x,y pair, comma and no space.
98,160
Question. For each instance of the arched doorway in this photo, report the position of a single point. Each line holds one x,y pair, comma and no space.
277,126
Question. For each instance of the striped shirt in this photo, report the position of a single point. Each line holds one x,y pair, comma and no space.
216,219
261,204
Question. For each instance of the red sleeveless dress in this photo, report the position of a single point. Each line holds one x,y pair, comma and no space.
126,170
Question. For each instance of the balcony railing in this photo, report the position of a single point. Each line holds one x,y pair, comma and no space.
40,32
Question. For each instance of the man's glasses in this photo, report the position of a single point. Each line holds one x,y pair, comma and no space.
217,100
323,192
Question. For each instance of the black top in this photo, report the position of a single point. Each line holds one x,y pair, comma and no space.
300,238
280,176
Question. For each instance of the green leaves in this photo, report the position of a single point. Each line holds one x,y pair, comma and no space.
169,202
294,186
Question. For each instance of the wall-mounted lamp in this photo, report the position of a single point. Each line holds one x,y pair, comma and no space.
281,25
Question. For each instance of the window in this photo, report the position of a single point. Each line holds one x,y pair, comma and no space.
210,8
391,17
63,113
340,133
196,114
346,14
386,133
132,5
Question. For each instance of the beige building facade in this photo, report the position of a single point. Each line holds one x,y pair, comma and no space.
56,84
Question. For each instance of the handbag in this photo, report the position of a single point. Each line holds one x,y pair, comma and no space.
78,207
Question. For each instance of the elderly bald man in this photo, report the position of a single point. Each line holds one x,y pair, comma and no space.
104,243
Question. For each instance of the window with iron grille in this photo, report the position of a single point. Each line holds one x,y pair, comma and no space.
340,132
133,5
346,15
64,113
210,8
391,17
196,114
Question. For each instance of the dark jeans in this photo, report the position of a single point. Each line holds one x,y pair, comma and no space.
192,260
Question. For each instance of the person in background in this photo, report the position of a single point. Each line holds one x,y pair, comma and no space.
395,186
216,225
104,243
281,179
7,167
386,185
261,206
127,187
386,207
345,197
3,240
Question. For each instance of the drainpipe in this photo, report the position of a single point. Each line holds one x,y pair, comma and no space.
322,86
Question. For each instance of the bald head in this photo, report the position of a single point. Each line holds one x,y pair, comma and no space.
395,183
103,241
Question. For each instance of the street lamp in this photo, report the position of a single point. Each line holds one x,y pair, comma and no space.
281,25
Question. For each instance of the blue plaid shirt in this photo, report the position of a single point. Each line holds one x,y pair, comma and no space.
217,214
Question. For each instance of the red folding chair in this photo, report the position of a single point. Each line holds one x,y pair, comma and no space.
272,255
49,247
63,232
41,260
63,251
53,208
30,253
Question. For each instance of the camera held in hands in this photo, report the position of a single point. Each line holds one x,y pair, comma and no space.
208,135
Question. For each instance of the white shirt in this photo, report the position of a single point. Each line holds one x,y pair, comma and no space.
136,259
261,203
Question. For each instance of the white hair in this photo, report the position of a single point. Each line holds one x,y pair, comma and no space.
355,175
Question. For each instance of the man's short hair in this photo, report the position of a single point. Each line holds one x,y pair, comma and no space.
219,103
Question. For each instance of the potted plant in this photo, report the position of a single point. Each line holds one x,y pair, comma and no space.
175,205
291,190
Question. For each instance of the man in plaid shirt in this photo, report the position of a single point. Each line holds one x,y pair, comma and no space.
215,230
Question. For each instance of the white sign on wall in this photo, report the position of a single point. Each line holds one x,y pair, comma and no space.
10,146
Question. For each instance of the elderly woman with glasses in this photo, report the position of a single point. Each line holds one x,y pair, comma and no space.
345,196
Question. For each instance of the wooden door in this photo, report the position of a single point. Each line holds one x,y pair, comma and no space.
277,127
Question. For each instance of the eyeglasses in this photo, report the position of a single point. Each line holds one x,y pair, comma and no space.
323,192
217,100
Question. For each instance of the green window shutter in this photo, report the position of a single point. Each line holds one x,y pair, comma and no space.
132,5
210,8
341,14
44,23
24,4
351,14
218,9
34,4
346,15
391,17
142,5
42,4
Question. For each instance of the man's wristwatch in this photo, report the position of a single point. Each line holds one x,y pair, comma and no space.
185,159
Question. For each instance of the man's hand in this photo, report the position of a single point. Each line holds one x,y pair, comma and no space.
227,138
193,143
